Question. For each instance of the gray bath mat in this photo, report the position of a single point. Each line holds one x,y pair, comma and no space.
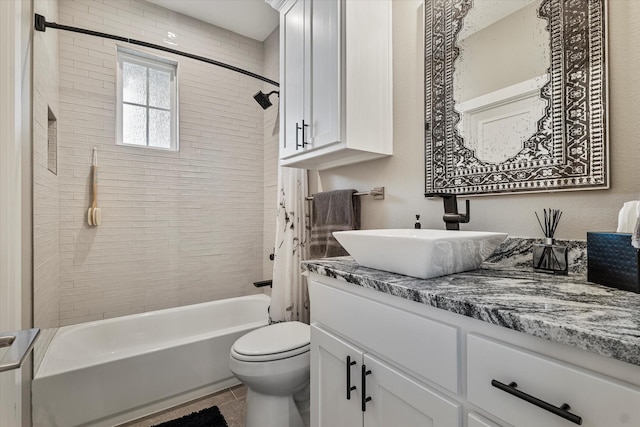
210,417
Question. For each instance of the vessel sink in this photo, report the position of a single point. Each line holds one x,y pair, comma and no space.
420,253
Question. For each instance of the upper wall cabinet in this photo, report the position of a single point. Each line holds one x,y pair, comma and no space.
336,80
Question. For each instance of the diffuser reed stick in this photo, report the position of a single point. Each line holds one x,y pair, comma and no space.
551,221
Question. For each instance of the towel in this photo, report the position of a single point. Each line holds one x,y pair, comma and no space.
337,210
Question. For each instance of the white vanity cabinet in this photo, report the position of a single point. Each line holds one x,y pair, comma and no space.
336,82
426,366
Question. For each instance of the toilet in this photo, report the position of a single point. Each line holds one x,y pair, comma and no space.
274,363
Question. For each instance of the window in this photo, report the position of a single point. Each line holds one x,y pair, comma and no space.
147,101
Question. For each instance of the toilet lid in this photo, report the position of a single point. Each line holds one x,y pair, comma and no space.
271,342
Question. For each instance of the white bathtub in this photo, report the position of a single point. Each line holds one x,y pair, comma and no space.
111,371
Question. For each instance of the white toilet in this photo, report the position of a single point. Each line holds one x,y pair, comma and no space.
274,363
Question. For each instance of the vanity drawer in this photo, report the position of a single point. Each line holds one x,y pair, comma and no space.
418,345
475,420
599,401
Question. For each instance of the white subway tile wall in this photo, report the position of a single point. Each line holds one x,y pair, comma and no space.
46,283
177,227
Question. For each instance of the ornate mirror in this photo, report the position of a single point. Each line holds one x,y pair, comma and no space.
515,96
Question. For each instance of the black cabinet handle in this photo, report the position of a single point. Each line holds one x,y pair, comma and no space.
304,139
562,411
365,398
350,387
301,128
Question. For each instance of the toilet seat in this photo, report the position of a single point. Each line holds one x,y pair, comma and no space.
273,342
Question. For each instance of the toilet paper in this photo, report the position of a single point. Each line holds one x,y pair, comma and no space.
628,217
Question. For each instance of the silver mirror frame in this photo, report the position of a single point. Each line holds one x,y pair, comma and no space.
569,150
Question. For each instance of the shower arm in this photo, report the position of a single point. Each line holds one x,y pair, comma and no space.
41,24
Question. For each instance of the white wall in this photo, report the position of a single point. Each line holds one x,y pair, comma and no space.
403,173
15,206
177,228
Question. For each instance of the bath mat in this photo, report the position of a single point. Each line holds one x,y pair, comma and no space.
210,417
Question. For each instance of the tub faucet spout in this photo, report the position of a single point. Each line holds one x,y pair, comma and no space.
452,218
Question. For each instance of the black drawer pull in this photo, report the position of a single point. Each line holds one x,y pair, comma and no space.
350,387
365,398
562,411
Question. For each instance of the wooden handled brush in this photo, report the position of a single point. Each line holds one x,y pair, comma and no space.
94,214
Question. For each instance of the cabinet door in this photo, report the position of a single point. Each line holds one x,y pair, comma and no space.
325,73
293,84
329,380
397,400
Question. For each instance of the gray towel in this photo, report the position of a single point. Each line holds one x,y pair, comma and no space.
635,237
337,210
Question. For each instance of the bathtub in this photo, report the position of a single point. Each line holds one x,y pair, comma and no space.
111,371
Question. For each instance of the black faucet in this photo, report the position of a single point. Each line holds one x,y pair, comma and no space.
452,218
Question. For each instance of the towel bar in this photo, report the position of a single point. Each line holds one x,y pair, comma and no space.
377,193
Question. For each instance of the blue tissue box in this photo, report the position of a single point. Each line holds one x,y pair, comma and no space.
612,261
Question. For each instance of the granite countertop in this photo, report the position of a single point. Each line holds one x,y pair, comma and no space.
506,292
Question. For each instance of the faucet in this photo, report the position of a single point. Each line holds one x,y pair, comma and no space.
452,218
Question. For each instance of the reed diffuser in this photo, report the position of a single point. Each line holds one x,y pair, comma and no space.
549,257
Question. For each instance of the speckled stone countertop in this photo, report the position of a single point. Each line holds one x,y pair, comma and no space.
506,292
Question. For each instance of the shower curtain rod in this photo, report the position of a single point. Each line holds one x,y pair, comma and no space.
41,24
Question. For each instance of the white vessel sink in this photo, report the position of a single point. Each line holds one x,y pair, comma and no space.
420,253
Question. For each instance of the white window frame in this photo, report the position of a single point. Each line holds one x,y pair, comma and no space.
151,62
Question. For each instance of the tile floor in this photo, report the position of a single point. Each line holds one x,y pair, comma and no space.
231,402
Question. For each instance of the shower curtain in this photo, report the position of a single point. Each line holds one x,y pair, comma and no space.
290,295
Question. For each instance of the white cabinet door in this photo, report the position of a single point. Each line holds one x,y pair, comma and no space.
330,377
325,73
293,22
397,400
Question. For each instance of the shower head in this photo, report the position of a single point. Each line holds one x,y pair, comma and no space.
263,99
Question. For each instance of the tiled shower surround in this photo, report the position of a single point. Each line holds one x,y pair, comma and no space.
177,227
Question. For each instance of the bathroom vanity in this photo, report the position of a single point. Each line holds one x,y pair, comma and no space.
498,346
